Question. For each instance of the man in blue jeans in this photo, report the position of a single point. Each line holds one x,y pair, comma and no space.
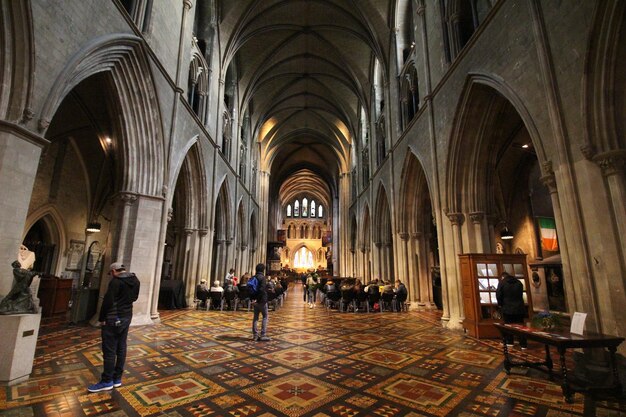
260,306
115,316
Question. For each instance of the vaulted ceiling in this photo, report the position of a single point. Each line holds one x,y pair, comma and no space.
303,69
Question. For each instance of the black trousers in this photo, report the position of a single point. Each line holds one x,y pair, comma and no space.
518,319
114,349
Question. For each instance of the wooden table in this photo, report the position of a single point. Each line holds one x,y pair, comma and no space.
562,340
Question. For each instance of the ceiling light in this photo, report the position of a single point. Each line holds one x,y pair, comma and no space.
93,227
108,140
506,234
525,146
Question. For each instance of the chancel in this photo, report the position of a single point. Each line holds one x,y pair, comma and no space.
437,143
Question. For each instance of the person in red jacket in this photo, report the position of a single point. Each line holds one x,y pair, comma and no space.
115,316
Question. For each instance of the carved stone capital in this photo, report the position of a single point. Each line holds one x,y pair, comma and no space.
388,244
549,181
612,162
362,248
477,217
128,198
588,150
228,242
404,236
456,219
243,247
189,231
416,235
27,115
420,9
378,244
187,4
170,214
203,232
43,124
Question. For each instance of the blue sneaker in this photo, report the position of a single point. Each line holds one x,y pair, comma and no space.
100,386
117,383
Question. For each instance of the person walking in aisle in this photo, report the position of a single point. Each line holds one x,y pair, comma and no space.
260,305
115,316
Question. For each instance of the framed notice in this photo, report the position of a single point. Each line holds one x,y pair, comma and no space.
74,255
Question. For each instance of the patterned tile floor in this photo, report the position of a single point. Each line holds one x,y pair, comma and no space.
318,363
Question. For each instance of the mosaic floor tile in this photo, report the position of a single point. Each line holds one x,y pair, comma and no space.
150,397
319,363
419,393
295,394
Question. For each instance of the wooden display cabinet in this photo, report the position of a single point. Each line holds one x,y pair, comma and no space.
480,273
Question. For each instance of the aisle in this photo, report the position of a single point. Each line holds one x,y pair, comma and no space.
318,363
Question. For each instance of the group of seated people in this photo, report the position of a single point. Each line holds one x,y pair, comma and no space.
378,295
235,291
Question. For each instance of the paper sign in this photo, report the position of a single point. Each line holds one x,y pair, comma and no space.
578,323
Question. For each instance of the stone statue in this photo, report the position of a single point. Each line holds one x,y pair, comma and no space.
19,300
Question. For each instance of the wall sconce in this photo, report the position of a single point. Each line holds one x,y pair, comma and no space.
506,234
93,227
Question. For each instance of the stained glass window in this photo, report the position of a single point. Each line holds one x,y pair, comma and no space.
289,210
319,211
305,208
296,209
312,208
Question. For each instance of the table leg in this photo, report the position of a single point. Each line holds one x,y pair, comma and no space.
565,384
549,363
617,385
507,362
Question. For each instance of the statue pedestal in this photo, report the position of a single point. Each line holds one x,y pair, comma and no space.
17,350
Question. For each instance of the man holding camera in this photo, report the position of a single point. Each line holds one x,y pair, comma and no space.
115,316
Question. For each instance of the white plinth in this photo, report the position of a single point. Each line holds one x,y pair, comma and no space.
17,350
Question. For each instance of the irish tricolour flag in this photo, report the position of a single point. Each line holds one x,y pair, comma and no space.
547,230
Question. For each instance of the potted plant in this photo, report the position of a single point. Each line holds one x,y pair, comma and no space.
546,320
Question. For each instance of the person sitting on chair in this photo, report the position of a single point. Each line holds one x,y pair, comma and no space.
202,292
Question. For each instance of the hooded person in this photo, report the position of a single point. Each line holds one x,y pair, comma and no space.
116,314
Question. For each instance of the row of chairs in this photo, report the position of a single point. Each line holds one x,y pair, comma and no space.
217,300
348,299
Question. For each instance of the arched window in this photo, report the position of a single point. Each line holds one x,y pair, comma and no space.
289,210
305,208
312,208
320,213
296,209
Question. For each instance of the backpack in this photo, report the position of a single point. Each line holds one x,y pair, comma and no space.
253,287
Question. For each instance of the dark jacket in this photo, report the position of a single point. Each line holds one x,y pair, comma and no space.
509,295
118,301
261,296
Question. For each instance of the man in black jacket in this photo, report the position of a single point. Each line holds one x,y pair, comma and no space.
511,301
260,306
115,316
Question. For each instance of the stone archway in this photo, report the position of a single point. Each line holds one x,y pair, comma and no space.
418,232
383,237
185,240
222,238
493,184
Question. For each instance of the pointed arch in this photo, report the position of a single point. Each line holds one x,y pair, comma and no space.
603,106
471,153
17,60
414,194
140,144
55,225
383,227
223,212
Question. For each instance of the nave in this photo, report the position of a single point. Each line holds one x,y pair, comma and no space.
318,363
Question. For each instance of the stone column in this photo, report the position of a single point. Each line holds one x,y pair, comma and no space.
388,254
480,232
406,260
613,166
189,267
19,152
203,251
454,284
